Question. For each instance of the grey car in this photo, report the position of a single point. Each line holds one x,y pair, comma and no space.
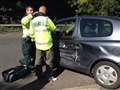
91,44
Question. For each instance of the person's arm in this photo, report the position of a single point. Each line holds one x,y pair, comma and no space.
31,31
25,20
51,25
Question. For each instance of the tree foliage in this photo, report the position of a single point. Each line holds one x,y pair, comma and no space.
96,7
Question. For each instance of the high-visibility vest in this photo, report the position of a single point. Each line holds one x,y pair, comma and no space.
41,27
25,21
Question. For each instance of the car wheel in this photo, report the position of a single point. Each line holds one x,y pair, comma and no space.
107,74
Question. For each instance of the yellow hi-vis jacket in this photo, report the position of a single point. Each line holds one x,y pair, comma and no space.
25,21
40,29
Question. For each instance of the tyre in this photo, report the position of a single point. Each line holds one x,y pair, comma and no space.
107,74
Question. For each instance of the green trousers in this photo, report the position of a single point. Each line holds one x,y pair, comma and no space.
48,55
28,50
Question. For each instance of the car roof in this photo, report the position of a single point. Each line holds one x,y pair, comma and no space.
102,17
91,17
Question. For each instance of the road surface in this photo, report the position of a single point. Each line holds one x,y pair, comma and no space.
10,53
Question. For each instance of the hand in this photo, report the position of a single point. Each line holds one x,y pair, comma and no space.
30,15
28,38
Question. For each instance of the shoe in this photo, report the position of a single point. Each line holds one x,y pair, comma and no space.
53,79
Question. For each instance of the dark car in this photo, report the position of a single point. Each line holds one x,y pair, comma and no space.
91,44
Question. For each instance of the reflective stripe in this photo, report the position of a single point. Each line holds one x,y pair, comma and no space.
43,43
24,36
42,30
25,32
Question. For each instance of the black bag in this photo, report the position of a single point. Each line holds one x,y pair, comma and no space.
16,73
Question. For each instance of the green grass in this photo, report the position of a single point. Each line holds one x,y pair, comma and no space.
10,29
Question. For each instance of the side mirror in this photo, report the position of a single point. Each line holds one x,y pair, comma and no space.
58,29
58,32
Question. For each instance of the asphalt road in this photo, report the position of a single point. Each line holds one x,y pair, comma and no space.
10,53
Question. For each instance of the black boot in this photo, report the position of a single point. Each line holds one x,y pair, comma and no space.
38,71
50,74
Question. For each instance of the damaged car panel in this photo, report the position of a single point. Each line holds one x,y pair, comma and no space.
91,44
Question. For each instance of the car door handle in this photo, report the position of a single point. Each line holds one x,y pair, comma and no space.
74,46
77,45
62,45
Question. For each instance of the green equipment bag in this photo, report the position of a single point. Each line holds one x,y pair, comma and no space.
15,73
26,62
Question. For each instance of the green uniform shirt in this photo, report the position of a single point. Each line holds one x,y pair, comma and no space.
25,25
40,29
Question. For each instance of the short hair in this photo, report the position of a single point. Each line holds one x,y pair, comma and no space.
43,6
28,7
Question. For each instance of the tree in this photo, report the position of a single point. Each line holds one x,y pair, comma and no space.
96,7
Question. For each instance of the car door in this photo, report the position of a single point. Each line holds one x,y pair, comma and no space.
68,49
93,34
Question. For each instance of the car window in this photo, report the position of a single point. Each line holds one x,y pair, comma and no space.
95,28
67,27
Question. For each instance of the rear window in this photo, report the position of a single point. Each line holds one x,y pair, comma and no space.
95,28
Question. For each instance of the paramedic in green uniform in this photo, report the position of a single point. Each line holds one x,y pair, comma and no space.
41,28
28,45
